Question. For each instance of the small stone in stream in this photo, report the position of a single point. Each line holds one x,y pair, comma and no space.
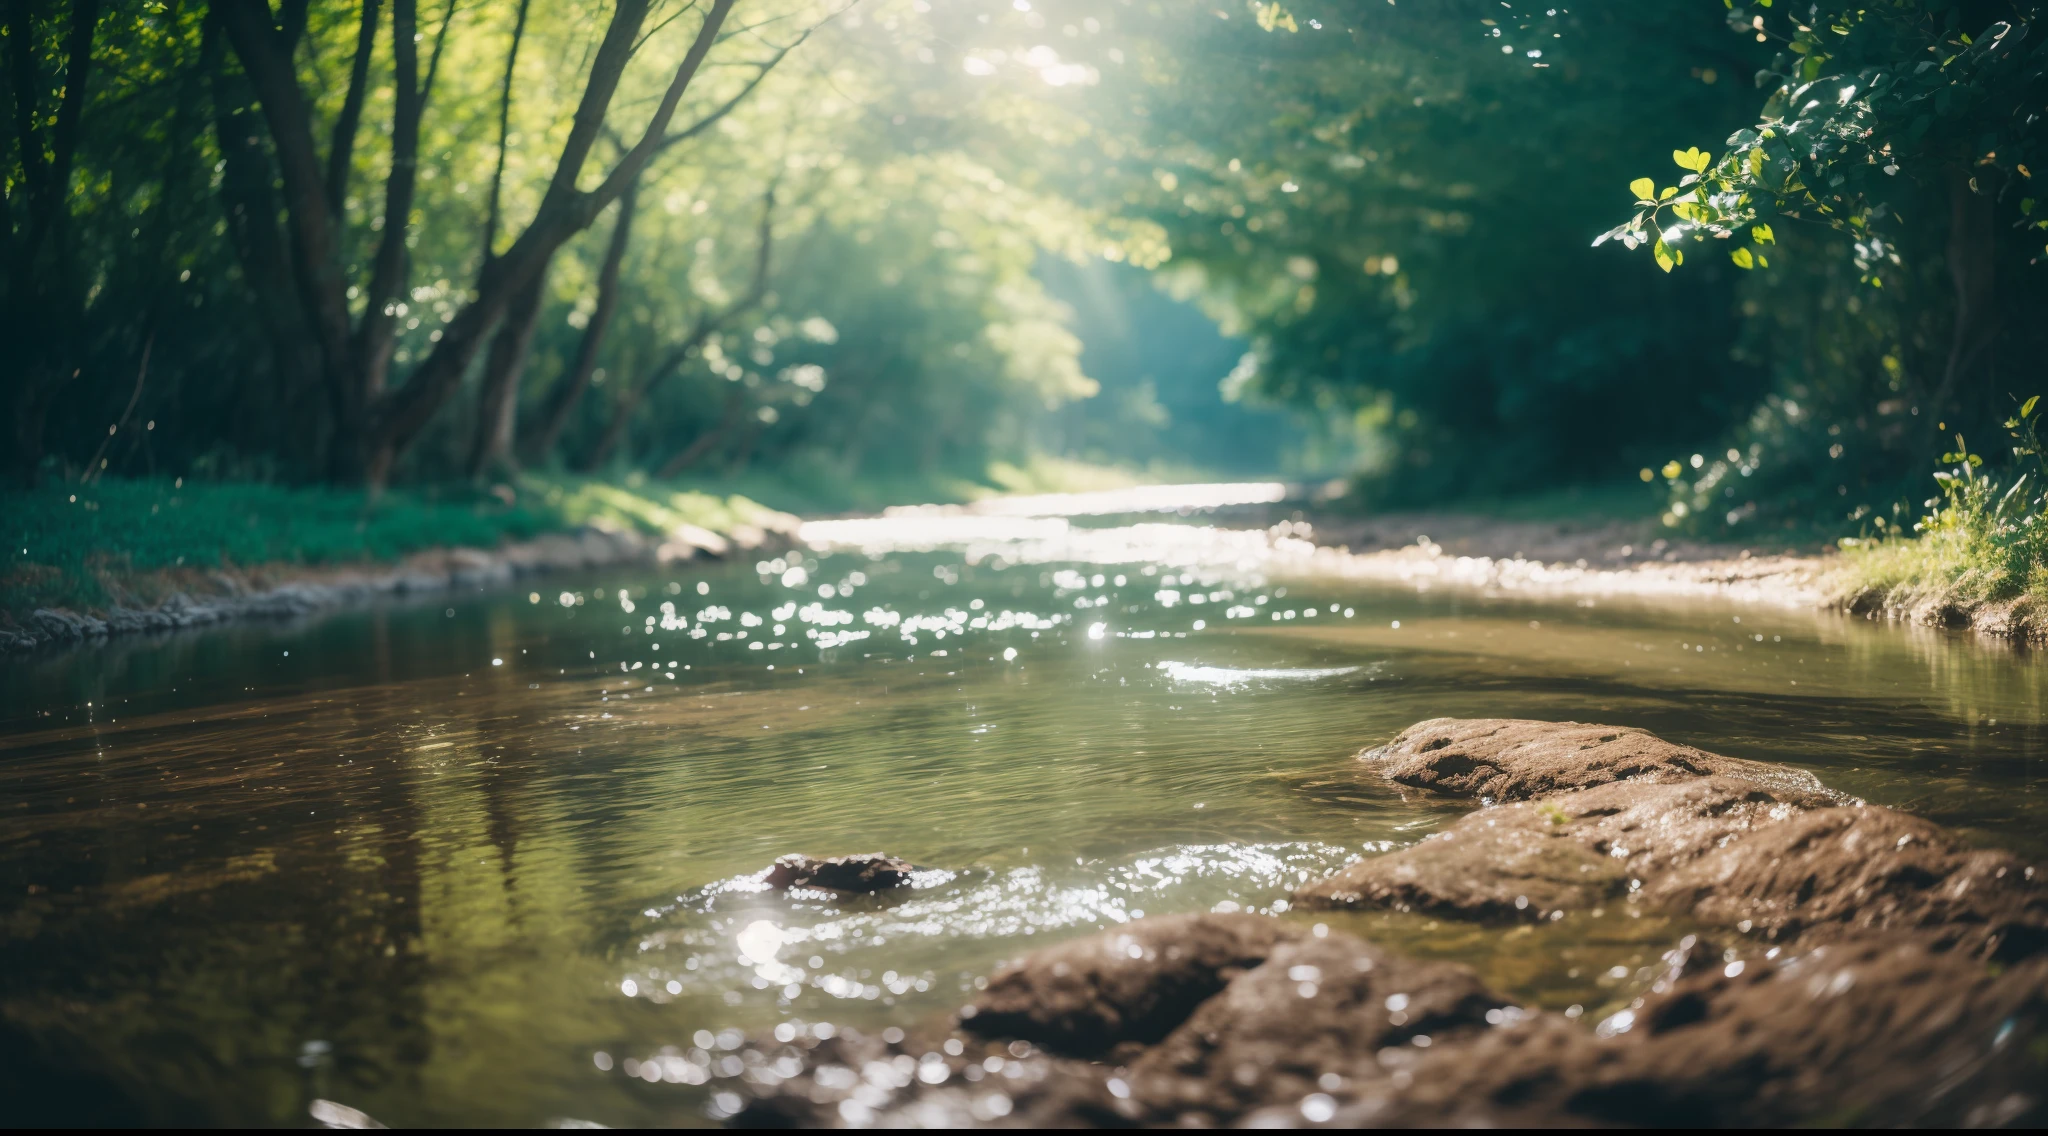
1133,984
1321,1011
1510,759
861,874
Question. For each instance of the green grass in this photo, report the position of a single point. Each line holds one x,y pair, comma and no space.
88,547
1987,544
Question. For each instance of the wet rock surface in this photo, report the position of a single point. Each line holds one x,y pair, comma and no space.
1323,1011
862,873
1333,1030
1512,759
1755,855
1874,971
1134,985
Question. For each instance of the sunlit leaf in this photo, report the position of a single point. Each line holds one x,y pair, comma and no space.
1643,188
1742,258
2027,407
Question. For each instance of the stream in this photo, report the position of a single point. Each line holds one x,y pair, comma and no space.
490,859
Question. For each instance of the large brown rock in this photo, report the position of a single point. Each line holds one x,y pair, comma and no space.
1867,1033
1831,874
1513,759
1727,851
1324,1014
1331,1029
1134,984
1562,854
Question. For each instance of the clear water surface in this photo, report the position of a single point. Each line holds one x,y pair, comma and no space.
488,860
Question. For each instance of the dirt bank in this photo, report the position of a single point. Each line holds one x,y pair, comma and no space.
280,591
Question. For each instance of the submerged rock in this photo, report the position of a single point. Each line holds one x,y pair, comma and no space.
859,874
1512,759
1135,984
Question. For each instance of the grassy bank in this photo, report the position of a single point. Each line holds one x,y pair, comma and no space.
1980,558
89,547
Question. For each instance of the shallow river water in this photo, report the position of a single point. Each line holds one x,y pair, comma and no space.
488,860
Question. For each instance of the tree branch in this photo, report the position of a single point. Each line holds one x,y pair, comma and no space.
504,132
569,390
711,120
341,148
706,325
378,329
266,56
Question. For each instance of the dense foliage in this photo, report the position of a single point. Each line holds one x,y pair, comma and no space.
372,240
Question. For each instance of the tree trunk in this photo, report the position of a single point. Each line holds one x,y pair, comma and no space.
569,389
498,401
42,310
375,424
1973,269
632,399
701,446
250,208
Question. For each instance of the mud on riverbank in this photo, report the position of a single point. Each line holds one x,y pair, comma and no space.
1857,966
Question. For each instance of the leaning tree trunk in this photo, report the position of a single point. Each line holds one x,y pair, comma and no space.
498,401
569,390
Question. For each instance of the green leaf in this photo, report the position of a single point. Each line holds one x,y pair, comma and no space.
1742,258
1663,255
1643,188
1761,233
1810,70
1669,190
2027,407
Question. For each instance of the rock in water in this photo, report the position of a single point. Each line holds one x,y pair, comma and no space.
1135,984
1512,759
859,874
1760,848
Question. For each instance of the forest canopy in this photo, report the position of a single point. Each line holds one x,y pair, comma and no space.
1769,257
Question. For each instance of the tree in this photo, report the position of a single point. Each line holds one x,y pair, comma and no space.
376,420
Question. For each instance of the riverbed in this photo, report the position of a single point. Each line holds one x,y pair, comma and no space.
492,859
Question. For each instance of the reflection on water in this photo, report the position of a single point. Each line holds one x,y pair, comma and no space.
496,861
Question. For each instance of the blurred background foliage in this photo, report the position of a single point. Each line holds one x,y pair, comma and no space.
911,243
